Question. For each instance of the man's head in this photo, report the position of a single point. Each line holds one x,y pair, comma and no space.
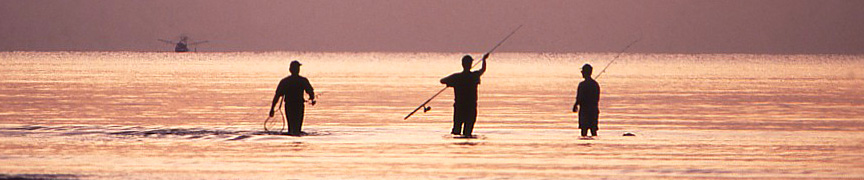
466,62
295,67
586,71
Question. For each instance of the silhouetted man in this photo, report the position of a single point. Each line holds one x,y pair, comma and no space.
292,88
465,88
588,97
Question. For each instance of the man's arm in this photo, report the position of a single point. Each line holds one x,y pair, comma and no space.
311,91
483,67
448,80
576,106
598,92
278,94
578,98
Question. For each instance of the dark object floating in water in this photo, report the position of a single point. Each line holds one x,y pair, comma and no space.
174,131
241,137
39,176
629,134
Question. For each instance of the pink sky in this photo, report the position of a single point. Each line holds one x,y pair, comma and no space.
667,26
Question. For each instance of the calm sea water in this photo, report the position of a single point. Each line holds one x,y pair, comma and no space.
129,115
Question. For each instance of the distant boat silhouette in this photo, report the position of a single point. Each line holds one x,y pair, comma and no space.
183,44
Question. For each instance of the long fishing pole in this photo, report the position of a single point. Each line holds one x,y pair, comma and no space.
423,106
616,57
499,43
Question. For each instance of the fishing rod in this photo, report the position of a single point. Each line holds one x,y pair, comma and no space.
616,57
427,108
499,43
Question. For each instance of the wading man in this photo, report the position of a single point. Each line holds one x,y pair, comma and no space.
588,98
465,88
292,88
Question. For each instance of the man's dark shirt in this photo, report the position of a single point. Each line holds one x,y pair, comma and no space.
292,87
464,86
588,96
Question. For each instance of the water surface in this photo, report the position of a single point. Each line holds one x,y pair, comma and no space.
121,115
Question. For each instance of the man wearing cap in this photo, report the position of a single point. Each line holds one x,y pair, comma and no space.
465,88
588,97
292,88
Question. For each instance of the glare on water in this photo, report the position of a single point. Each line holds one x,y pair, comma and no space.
121,115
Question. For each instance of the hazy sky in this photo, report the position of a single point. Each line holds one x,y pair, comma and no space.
666,26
